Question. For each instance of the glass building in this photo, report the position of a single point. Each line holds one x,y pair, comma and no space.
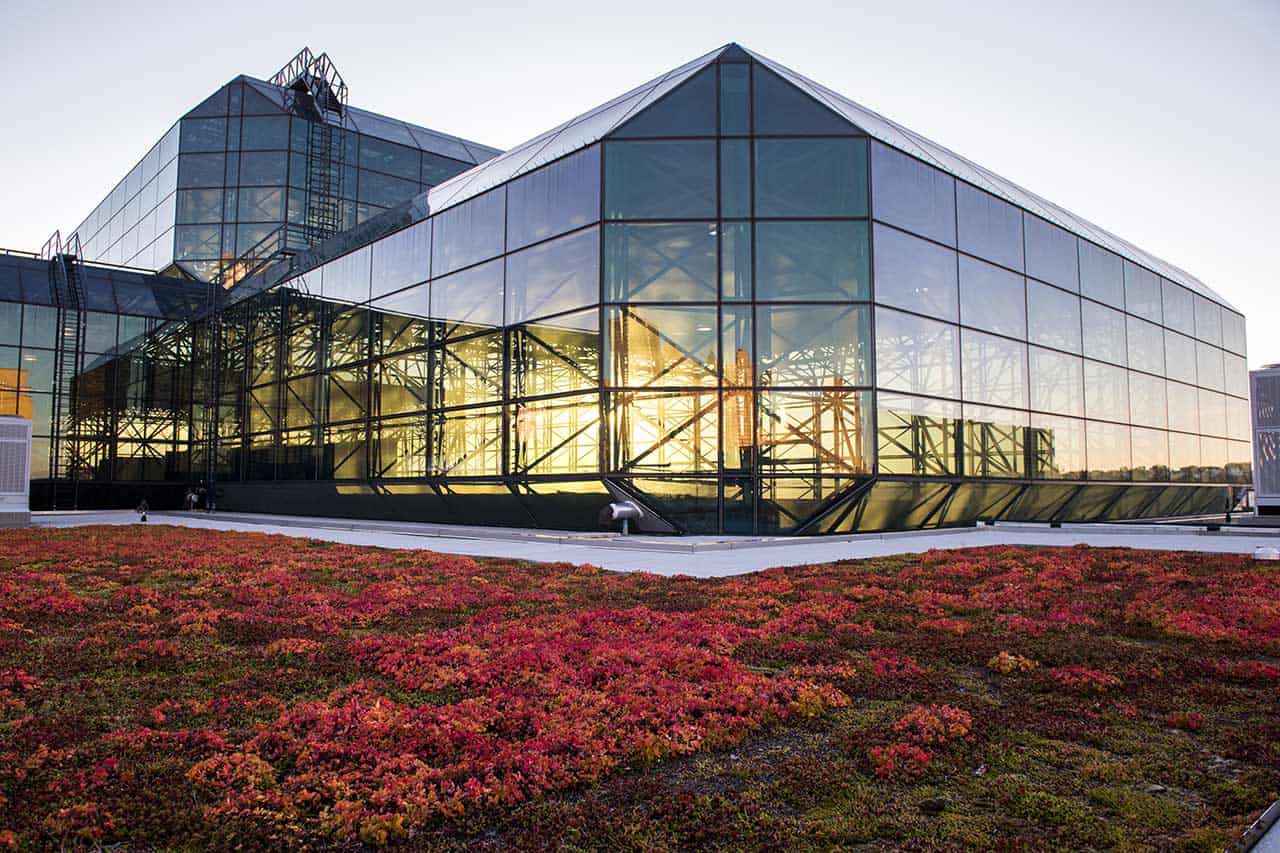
732,295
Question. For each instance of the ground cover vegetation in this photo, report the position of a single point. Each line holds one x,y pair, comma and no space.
168,688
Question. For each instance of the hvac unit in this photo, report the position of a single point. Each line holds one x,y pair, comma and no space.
15,471
1264,392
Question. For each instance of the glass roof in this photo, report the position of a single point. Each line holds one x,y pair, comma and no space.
592,126
394,130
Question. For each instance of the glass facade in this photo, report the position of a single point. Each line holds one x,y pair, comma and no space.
732,305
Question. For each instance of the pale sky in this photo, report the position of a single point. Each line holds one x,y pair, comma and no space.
1157,121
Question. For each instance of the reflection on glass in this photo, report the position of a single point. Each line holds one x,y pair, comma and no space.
916,435
671,433
1147,403
994,442
1106,392
652,346
1051,253
1053,317
556,355
815,432
1150,454
554,276
556,436
810,177
660,179
1057,382
799,346
994,369
914,274
1056,447
913,195
916,356
1104,333
988,227
992,298
656,262
820,261
1107,449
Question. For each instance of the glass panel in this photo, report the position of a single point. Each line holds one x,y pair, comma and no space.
1213,413
264,132
1104,333
1184,407
1213,460
994,370
553,277
1106,392
781,108
916,355
916,435
557,355
1053,317
1184,458
1209,366
201,170
556,436
737,345
687,110
1057,447
988,227
913,195
1237,375
994,442
346,279
203,134
1150,454
827,348
469,371
735,98
470,443
1179,307
473,297
402,259
1057,382
735,178
811,260
1233,333
385,190
660,180
1147,403
197,206
811,177
668,433
1101,274
1108,451
554,199
264,168
1051,254
815,432
263,204
1239,417
1208,320
914,274
1239,462
388,157
673,262
661,347
1146,346
403,384
992,298
735,260
1142,294
1180,357
467,233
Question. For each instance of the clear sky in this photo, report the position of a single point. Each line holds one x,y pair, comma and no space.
1158,121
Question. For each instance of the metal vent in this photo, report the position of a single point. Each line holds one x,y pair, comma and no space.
15,459
1264,387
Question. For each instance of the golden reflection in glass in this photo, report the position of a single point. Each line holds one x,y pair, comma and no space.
674,432
470,370
994,442
815,432
467,443
657,347
916,435
555,357
556,436
403,383
402,448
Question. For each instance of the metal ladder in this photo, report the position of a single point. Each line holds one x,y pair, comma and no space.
67,286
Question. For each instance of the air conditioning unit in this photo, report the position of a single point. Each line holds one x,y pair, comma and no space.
15,471
1264,394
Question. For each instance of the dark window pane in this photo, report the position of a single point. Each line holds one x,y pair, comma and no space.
1179,307
916,356
385,190
553,277
1051,253
264,132
1053,317
197,242
1101,274
781,108
913,195
437,169
264,168
735,103
660,180
687,110
735,178
199,206
799,346
811,177
201,170
261,204
203,134
1142,292
1104,333
992,298
988,227
914,274
383,156
554,199
811,260
660,262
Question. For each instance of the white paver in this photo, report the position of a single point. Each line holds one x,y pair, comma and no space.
699,556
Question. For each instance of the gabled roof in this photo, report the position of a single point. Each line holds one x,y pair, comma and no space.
594,125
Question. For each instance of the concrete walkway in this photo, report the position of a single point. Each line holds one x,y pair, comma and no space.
699,556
